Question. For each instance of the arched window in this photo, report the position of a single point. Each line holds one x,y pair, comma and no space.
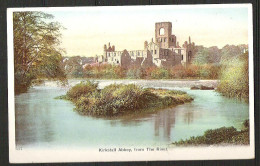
161,32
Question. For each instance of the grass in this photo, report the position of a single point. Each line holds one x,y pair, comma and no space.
120,99
223,135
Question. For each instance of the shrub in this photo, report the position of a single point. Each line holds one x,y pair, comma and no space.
191,71
160,73
217,136
81,89
135,73
234,80
178,71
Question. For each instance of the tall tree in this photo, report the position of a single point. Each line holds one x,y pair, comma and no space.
201,57
36,48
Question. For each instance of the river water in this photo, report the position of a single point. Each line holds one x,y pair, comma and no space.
42,121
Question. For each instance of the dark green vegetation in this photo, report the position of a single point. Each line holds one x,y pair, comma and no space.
223,135
36,51
119,99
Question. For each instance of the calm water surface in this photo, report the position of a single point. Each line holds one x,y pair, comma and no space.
42,121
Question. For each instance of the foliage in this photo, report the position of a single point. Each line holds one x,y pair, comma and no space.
206,64
218,136
231,52
160,73
104,71
117,99
234,80
135,73
201,57
214,54
207,71
82,89
36,52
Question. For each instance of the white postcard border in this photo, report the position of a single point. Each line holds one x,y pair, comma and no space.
91,155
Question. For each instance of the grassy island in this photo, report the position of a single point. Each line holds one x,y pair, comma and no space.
223,135
119,99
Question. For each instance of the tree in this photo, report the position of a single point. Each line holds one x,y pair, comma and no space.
234,80
230,52
36,48
201,57
214,54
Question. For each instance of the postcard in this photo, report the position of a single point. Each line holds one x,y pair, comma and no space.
130,83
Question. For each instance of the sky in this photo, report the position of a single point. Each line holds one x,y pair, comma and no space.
89,28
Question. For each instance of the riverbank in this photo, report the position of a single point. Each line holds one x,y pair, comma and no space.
220,136
119,99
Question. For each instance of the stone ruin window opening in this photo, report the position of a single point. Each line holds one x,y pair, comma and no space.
154,51
161,31
181,57
189,55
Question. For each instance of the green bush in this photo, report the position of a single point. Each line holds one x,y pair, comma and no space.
234,80
227,135
160,73
82,89
219,135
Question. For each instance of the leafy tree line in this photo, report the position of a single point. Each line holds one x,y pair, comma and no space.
177,72
36,48
74,65
214,55
233,70
206,64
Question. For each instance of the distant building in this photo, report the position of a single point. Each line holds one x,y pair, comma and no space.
164,51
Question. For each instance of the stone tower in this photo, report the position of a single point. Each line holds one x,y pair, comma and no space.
164,36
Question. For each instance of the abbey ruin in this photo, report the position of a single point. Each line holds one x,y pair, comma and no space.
164,51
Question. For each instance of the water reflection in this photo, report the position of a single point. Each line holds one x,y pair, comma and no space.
30,115
164,120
